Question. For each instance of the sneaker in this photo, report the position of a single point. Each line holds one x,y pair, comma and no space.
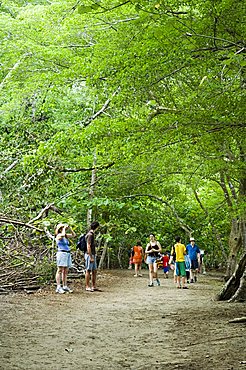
191,281
140,275
150,284
60,290
135,275
67,289
158,282
195,278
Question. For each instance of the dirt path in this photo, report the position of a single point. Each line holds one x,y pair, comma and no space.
127,325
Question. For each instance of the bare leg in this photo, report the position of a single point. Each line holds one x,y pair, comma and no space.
151,273
191,275
64,276
87,279
93,278
178,281
139,269
58,276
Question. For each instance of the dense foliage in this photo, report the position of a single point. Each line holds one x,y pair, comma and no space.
149,94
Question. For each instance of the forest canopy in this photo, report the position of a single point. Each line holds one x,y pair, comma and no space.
132,110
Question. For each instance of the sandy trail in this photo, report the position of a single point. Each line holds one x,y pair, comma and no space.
127,325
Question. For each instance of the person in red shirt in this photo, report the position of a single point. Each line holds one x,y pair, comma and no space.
137,258
165,264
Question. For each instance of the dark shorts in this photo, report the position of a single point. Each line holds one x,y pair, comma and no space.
180,269
194,264
166,269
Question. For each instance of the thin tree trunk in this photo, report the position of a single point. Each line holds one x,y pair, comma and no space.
215,231
104,252
119,257
91,192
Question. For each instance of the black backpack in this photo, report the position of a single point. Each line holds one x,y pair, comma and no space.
82,244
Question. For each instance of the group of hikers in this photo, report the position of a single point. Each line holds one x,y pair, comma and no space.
64,261
185,261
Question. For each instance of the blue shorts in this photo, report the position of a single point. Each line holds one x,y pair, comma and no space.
63,259
165,269
151,260
91,266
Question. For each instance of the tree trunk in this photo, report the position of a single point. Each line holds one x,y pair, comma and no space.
119,256
235,242
104,252
91,193
236,284
240,295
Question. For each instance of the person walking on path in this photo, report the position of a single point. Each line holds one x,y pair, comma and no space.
187,268
180,251
165,264
90,258
137,258
194,253
63,256
152,251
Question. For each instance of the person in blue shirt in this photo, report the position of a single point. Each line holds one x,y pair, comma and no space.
194,254
63,256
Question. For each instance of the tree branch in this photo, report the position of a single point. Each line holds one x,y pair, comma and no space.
15,66
45,211
9,168
14,222
82,169
105,106
185,227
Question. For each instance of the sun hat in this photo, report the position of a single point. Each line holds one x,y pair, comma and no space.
192,239
58,227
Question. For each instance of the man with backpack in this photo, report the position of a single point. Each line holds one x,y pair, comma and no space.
90,258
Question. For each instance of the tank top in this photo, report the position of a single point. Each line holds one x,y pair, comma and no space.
63,245
153,254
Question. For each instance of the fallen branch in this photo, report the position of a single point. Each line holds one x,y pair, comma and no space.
238,320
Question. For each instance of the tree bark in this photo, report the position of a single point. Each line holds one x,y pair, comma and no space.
235,284
235,242
240,295
91,192
104,252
